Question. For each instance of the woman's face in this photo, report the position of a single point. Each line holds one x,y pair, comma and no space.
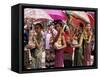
81,29
48,28
88,28
58,27
37,29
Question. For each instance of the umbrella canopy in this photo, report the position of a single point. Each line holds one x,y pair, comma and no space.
37,14
91,13
91,18
80,14
74,21
56,14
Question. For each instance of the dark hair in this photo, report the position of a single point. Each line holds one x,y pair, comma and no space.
58,22
39,24
68,16
49,25
81,26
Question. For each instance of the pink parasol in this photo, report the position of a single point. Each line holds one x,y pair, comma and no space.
36,14
80,14
56,14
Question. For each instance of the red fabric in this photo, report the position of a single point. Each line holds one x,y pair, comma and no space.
67,49
75,21
66,35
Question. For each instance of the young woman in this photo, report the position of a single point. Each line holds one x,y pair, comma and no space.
59,45
87,46
36,45
78,47
48,50
68,51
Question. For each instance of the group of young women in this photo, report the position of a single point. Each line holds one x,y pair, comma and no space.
58,44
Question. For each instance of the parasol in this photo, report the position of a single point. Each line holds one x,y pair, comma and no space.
36,14
80,14
91,18
56,14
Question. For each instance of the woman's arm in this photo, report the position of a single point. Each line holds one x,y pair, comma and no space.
64,43
89,40
80,42
30,42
